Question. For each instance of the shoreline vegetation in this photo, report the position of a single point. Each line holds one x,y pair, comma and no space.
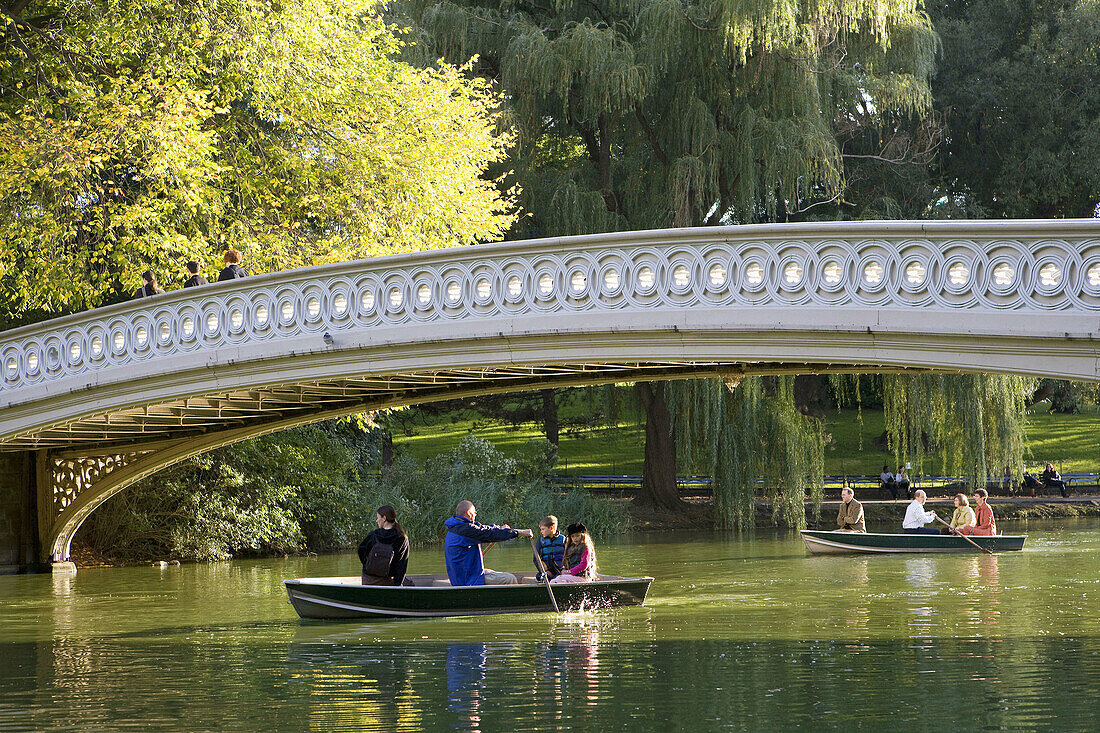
314,489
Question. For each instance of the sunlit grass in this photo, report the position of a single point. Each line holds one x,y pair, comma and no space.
1071,442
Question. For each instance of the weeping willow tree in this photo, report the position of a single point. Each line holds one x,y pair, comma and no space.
751,438
637,114
976,421
653,113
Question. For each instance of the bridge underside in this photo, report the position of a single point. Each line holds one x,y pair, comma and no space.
263,407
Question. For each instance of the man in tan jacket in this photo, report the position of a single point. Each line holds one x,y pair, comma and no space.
850,516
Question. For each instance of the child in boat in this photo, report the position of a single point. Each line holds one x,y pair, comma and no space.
580,557
551,546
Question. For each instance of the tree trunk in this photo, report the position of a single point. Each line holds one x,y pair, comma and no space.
811,395
550,415
659,467
387,450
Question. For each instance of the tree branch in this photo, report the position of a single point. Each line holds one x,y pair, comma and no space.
653,142
600,12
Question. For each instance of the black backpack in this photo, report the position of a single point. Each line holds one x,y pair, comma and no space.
378,560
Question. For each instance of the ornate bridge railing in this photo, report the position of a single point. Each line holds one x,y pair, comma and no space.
1012,266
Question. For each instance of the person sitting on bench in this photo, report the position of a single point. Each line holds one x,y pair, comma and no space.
888,482
903,483
1052,479
1030,482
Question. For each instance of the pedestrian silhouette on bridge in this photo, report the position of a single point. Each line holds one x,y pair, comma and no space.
232,269
195,278
150,286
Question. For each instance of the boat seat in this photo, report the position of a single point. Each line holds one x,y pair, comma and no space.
441,583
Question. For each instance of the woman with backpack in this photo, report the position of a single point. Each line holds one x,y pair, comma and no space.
385,551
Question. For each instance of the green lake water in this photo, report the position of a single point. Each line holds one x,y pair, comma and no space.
739,632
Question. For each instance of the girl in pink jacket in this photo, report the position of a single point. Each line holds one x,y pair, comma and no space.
579,564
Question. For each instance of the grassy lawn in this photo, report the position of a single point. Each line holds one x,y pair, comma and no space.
1071,442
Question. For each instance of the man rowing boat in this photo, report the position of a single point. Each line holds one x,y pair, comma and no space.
462,551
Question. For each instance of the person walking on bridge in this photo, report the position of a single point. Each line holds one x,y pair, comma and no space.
232,269
850,516
194,278
462,550
150,286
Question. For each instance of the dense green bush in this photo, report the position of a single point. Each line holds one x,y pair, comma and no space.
506,489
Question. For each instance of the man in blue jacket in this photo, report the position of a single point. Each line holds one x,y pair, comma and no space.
463,553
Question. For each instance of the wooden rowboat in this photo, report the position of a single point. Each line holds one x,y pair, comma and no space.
822,542
433,596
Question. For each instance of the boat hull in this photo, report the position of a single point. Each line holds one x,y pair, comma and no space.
347,598
844,543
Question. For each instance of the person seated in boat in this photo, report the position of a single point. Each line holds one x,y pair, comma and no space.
551,547
462,551
850,516
887,482
580,556
902,480
963,516
1051,479
916,517
385,551
985,525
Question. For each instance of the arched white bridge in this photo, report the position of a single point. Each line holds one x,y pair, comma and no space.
105,397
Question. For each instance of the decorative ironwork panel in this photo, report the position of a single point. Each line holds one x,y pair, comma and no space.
72,476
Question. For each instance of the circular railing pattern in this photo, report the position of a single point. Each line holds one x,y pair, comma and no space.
1042,274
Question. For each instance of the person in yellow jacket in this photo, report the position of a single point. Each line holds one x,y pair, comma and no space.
964,515
850,516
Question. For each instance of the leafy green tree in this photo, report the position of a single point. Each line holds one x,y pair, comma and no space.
1018,89
977,419
639,114
144,133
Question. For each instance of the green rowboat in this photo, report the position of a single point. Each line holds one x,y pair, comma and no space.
433,596
823,542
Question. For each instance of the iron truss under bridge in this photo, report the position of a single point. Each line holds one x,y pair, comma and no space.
92,402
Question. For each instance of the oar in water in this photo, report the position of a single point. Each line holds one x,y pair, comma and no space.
957,533
545,577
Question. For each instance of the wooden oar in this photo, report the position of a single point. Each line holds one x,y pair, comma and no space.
957,533
488,547
545,577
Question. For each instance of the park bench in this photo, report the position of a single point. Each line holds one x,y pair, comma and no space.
864,486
